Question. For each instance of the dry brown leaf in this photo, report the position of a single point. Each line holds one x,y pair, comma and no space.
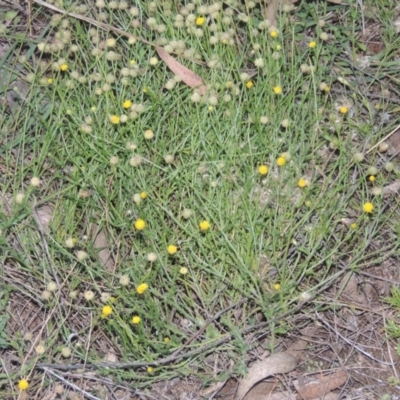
101,242
6,200
279,363
348,286
188,76
301,343
110,357
262,390
44,216
325,385
211,390
393,188
394,143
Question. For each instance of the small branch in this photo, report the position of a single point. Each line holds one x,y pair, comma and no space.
202,349
204,327
70,384
101,25
349,341
44,242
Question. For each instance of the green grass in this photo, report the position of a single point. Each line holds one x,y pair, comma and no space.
269,240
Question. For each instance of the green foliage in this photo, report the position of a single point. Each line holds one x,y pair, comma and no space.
270,239
4,296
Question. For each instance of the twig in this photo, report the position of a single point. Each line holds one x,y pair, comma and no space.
384,139
101,25
203,349
44,242
70,384
203,328
391,88
349,341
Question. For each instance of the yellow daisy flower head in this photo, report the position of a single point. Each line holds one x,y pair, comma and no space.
127,104
302,183
23,384
343,110
200,20
312,44
114,119
368,208
249,84
277,286
63,67
106,311
142,288
324,87
150,370
277,90
140,224
263,170
136,320
281,161
172,249
353,225
143,195
274,34
204,225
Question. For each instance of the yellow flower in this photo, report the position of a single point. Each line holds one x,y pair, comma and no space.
274,34
324,87
200,20
23,384
302,183
263,170
249,84
277,286
142,288
150,370
368,207
277,89
140,224
127,104
114,119
312,44
63,67
204,225
49,81
353,225
343,110
172,249
106,311
166,340
281,161
136,320
371,178
278,47
143,195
